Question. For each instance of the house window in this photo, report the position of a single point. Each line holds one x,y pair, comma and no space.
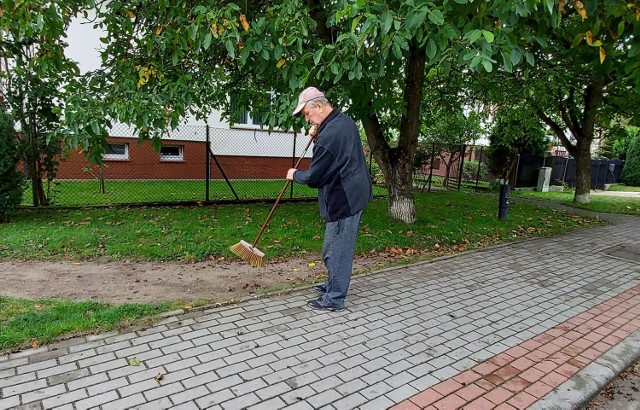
244,116
172,153
116,151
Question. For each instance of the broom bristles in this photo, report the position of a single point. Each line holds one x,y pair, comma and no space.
250,253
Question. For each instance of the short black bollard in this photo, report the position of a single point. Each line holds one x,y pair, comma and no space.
503,202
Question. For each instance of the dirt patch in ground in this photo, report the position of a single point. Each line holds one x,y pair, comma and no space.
129,282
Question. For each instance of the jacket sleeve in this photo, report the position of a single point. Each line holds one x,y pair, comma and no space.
322,168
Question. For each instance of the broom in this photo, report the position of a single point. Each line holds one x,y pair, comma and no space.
248,251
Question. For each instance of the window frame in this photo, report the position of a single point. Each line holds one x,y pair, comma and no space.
172,158
117,157
244,119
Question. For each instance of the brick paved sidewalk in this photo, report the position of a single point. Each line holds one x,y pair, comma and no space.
502,328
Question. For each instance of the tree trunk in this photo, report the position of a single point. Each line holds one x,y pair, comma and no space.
400,186
37,189
396,166
583,172
32,158
397,163
582,128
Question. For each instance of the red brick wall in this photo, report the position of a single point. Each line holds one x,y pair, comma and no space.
145,163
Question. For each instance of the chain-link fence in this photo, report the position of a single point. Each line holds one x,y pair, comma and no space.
457,166
452,167
192,164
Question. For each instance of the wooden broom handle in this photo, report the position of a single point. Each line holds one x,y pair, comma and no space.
284,188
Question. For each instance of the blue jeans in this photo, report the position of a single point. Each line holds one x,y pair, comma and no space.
337,252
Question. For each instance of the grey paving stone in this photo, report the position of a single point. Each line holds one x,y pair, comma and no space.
21,388
87,381
353,401
163,403
271,404
191,393
269,392
324,384
297,395
106,386
248,387
351,386
96,401
224,383
242,402
376,376
288,362
14,380
126,403
177,347
28,368
43,393
378,403
164,390
232,369
324,398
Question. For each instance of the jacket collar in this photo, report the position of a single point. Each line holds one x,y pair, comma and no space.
333,114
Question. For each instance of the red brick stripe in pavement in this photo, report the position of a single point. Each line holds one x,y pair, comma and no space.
524,374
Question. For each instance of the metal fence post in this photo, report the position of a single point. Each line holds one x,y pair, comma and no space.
479,164
293,160
515,177
207,166
433,154
564,172
463,148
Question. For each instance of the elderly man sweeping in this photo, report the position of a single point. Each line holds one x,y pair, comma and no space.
339,171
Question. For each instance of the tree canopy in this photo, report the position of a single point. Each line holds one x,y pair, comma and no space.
572,60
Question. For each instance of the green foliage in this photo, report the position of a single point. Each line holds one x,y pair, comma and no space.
10,179
448,128
165,59
35,75
475,169
617,141
515,131
631,171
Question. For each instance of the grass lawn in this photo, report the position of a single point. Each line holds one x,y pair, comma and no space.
624,188
448,222
86,193
44,320
599,203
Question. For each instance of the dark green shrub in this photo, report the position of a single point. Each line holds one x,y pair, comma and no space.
470,171
10,180
631,171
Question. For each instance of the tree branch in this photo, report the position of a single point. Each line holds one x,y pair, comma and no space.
556,130
415,77
592,98
318,14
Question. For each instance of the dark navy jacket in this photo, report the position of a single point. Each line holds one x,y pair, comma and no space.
338,169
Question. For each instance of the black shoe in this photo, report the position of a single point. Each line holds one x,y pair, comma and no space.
318,304
320,288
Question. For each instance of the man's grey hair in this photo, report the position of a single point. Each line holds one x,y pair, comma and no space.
319,101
